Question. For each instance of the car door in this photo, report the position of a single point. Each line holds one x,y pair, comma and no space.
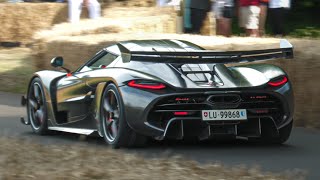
74,96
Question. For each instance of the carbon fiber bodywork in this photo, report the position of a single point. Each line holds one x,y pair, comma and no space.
74,101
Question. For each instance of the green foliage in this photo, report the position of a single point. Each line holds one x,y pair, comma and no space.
307,32
306,4
301,20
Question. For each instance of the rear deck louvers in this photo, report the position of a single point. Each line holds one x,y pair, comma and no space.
201,74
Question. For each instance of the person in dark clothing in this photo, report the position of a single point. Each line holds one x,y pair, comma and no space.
198,9
278,12
185,6
278,16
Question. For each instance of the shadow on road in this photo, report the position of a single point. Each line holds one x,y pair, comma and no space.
154,146
297,153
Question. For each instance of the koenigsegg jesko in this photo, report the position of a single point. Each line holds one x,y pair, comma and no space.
159,89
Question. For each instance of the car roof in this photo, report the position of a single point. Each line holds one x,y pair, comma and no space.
155,45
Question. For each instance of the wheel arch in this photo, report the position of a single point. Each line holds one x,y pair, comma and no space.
30,81
128,137
47,78
97,102
119,79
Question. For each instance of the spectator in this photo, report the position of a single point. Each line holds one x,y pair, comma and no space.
223,12
186,11
178,7
198,12
249,11
278,11
263,16
75,7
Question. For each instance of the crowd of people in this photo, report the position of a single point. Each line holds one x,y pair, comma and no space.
251,14
75,8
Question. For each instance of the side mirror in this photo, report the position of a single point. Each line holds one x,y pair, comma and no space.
57,61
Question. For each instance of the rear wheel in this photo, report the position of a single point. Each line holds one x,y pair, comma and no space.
284,134
269,137
37,108
115,129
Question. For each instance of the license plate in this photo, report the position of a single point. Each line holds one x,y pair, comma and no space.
224,114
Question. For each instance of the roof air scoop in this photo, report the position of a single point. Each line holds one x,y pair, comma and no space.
125,53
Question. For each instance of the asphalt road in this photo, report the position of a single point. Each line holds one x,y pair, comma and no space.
302,151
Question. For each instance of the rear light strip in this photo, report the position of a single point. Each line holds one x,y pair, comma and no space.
278,82
181,113
142,85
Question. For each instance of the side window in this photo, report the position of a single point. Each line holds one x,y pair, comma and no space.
103,61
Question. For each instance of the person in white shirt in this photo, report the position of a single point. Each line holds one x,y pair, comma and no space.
75,8
278,11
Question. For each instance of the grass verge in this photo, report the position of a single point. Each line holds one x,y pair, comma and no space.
21,159
15,69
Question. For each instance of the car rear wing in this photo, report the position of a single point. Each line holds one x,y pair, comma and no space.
206,56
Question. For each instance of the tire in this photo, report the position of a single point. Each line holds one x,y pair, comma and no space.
115,129
37,107
269,138
284,134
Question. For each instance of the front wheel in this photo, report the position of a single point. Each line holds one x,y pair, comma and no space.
115,129
37,108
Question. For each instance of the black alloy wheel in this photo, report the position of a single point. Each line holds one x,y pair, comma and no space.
36,107
115,128
111,115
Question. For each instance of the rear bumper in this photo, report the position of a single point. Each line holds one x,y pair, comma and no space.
151,114
179,128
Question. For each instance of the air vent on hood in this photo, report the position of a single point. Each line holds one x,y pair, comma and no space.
201,74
